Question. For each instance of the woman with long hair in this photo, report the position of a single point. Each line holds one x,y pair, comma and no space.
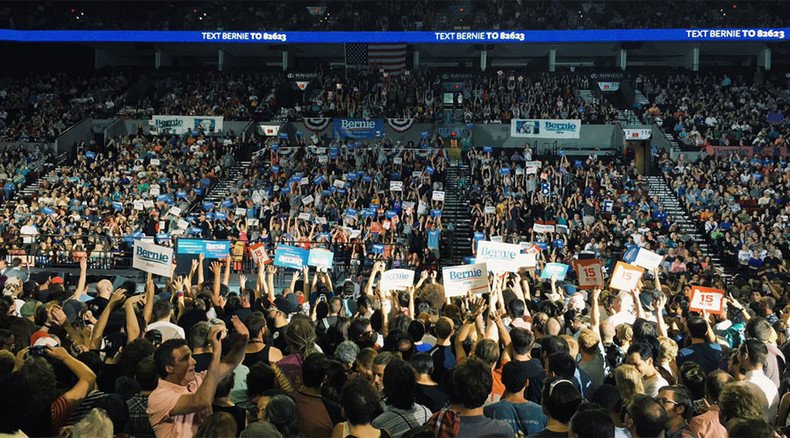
300,337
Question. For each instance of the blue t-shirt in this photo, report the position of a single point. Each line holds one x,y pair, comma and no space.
706,355
433,239
527,418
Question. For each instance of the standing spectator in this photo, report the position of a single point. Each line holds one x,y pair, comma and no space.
360,404
679,408
523,416
704,349
402,413
317,415
753,355
560,399
429,393
707,425
640,355
591,421
179,403
472,384
645,417
145,375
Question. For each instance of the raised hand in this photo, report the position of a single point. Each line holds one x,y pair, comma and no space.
118,296
216,268
239,326
242,281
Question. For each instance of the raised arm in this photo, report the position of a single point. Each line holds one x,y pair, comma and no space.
86,379
81,289
98,331
148,308
226,277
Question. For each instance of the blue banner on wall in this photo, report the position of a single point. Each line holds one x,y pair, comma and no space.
358,128
289,256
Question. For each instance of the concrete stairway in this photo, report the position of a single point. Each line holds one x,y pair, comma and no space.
677,214
456,211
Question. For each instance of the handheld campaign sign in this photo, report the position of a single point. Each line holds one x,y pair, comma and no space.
501,257
259,254
320,258
557,271
648,259
396,279
211,249
152,258
438,196
396,186
540,228
289,256
458,280
625,276
706,298
589,273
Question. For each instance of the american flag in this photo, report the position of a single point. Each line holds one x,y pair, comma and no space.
390,57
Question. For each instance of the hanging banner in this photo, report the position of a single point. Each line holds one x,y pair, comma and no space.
589,273
538,128
459,280
358,128
320,258
163,124
400,125
625,277
316,124
706,298
152,258
288,256
396,279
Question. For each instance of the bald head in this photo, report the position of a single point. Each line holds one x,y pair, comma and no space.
553,327
104,288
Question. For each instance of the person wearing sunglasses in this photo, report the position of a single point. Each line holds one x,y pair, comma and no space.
677,404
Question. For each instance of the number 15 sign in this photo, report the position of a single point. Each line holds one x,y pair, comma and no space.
706,298
589,273
625,276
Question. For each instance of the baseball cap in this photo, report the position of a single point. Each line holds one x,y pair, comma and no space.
56,280
29,308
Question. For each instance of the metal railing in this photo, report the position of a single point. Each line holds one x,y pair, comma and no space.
119,256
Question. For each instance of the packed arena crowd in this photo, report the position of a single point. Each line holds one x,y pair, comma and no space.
413,15
244,345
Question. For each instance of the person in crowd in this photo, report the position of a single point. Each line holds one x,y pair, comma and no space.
402,413
591,421
640,355
360,404
754,355
472,383
679,408
182,395
317,414
707,424
429,393
645,417
523,416
560,400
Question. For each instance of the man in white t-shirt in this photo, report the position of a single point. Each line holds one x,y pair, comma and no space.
163,312
29,232
623,307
